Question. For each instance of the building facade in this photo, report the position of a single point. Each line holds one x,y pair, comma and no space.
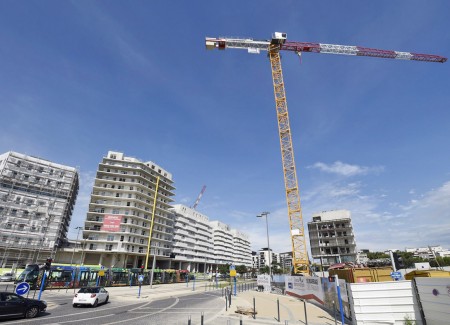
286,261
37,198
223,242
331,237
193,245
118,225
242,254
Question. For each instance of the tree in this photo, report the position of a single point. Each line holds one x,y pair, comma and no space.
241,269
224,269
264,269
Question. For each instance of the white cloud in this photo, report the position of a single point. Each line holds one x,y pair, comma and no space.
344,169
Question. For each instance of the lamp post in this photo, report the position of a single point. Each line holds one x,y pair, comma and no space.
264,214
76,242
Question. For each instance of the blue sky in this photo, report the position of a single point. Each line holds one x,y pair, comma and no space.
79,78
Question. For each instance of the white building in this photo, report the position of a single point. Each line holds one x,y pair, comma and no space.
200,245
223,242
118,223
242,254
193,244
36,203
427,252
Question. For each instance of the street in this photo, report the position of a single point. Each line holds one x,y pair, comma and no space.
173,310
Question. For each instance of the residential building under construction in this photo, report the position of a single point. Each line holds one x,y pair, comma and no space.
36,203
331,237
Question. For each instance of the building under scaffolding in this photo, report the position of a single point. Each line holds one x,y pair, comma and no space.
36,203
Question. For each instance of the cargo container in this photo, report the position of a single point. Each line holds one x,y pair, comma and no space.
357,275
427,274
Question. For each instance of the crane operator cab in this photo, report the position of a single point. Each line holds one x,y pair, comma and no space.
278,38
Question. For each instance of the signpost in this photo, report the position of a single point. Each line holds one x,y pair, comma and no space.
22,288
233,275
396,276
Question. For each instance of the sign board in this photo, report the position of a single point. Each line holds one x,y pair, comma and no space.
101,273
141,278
22,288
232,272
111,223
264,280
396,275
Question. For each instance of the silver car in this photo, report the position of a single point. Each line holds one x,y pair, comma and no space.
7,277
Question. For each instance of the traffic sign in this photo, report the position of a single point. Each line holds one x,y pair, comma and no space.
396,275
22,288
232,267
141,278
232,272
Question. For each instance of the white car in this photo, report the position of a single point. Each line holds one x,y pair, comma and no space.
90,296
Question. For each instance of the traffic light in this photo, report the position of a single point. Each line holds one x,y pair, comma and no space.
331,278
48,263
142,268
398,262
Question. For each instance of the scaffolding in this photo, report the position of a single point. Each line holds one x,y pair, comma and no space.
36,203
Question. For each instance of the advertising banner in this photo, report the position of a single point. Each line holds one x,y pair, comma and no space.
305,287
111,223
264,280
320,289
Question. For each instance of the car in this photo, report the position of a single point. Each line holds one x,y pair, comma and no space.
7,277
90,296
14,306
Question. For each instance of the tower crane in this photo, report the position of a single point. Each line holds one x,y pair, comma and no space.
278,43
199,197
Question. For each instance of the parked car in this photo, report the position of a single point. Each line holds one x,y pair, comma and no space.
13,306
90,296
7,277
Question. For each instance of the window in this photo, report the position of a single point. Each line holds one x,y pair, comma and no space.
115,211
109,247
110,238
121,238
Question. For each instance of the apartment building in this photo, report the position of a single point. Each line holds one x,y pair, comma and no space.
37,197
223,242
331,237
267,257
193,245
242,254
286,260
118,224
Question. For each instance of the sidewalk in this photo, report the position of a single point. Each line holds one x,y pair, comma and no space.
292,310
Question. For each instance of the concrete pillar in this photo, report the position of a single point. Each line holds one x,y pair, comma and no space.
100,261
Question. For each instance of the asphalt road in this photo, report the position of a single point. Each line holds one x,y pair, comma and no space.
173,310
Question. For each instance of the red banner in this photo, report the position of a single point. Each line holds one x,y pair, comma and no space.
111,223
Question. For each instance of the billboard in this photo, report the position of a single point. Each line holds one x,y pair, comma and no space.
111,223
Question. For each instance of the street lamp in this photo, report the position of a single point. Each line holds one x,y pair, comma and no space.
264,214
76,242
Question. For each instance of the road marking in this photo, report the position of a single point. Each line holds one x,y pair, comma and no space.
79,313
83,319
146,315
